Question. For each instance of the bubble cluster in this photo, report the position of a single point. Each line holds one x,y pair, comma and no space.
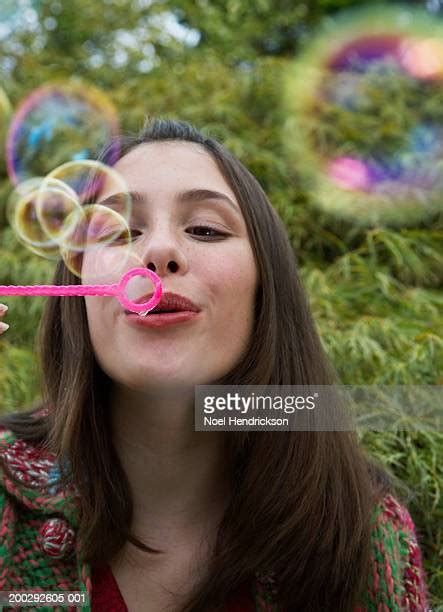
63,214
365,116
50,219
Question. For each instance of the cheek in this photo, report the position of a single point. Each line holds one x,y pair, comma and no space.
231,282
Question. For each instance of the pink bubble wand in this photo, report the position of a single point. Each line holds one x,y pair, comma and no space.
117,290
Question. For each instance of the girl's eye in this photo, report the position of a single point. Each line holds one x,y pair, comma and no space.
211,229
206,228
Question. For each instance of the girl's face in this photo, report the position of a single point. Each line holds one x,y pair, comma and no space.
216,271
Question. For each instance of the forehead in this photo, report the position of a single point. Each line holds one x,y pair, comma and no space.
167,167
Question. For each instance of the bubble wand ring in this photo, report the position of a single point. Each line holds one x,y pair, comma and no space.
116,290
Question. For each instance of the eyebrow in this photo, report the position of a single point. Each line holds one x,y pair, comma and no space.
186,197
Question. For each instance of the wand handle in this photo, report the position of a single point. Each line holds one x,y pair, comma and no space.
116,290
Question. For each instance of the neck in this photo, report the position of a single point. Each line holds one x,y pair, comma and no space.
179,477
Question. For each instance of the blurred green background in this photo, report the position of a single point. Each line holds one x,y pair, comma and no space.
376,292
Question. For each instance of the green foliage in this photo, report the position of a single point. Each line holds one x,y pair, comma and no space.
375,294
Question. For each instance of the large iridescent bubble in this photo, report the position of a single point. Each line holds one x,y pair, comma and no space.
58,123
365,116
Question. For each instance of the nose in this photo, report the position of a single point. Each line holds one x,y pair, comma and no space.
161,253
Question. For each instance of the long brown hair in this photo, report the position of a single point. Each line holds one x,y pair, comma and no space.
301,501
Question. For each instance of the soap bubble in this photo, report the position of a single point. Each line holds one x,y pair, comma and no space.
58,123
89,177
103,235
365,116
21,212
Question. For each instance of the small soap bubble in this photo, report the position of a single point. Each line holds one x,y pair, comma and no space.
21,212
102,236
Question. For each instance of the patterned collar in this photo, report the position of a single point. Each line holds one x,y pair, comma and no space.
35,467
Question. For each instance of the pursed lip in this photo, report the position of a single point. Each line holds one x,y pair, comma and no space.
163,319
169,301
